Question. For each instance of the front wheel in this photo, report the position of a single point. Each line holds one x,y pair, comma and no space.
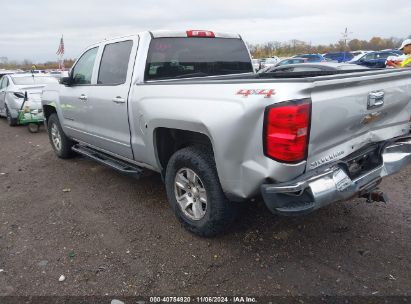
59,141
33,127
195,193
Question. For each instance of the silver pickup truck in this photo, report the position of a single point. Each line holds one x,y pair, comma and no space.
189,105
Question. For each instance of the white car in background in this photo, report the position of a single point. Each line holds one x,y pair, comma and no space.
13,90
5,72
269,62
59,74
256,64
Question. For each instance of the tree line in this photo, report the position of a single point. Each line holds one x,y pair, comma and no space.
293,47
27,65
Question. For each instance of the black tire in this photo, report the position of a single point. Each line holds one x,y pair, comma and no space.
33,127
219,211
10,120
64,149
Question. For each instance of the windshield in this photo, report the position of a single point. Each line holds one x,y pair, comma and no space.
196,57
358,57
30,80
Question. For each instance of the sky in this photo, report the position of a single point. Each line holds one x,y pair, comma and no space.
32,29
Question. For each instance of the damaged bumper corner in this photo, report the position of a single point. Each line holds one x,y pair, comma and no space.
316,189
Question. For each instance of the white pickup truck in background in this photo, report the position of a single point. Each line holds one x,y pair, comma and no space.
188,105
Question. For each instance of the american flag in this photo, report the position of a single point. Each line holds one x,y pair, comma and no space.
60,50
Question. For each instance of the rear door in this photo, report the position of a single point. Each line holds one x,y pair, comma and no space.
109,124
351,112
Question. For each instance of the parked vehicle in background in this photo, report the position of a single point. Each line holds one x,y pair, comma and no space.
398,52
357,53
316,67
13,89
374,59
5,72
269,62
189,106
58,74
311,57
285,62
339,56
256,64
37,72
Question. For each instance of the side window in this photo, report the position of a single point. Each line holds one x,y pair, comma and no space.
383,55
369,57
83,70
114,63
4,83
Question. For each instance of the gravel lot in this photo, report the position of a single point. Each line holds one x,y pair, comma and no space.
110,234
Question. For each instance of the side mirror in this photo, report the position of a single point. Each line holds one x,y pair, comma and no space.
66,81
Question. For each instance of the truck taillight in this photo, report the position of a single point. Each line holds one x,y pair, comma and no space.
286,131
200,33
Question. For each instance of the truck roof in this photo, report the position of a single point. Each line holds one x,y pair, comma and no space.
192,33
176,34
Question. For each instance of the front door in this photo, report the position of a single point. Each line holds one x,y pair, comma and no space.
74,98
109,124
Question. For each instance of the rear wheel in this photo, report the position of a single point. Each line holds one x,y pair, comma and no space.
195,194
59,141
10,120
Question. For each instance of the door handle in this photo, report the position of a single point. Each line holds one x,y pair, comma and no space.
119,99
375,99
83,97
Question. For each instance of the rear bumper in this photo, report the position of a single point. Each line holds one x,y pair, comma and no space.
316,189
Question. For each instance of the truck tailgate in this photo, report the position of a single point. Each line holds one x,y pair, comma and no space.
353,112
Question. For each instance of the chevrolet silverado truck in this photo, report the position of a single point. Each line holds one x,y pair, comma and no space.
189,105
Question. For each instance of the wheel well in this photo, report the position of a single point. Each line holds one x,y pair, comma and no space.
168,141
48,110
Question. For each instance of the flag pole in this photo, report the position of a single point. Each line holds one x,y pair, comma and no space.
61,56
60,52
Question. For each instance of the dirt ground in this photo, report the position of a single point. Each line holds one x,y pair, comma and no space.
110,234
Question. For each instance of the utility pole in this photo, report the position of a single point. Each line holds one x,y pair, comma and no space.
345,36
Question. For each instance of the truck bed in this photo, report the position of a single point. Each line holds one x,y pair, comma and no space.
287,76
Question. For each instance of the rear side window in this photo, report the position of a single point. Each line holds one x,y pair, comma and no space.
114,63
196,57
